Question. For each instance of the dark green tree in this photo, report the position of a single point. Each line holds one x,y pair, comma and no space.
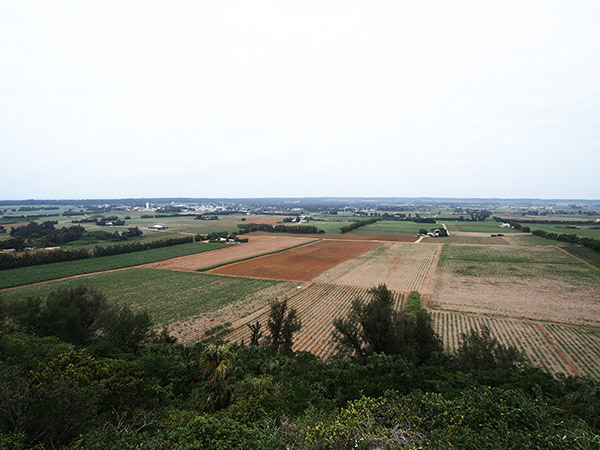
255,333
479,350
375,326
282,325
69,313
126,328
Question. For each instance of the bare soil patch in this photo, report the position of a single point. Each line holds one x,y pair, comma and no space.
537,283
300,264
257,245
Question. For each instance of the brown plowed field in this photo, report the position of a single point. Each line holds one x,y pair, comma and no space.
258,245
402,266
344,237
300,264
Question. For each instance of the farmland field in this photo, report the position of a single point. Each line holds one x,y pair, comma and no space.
301,264
484,239
540,283
343,237
257,245
578,348
402,266
34,274
171,296
317,307
488,226
394,228
581,230
587,254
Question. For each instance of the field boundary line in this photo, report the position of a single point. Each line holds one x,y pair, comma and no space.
427,290
576,257
237,261
556,349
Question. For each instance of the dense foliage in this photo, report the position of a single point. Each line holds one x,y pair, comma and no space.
357,224
300,229
95,390
8,261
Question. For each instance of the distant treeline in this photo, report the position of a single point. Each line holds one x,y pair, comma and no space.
357,224
101,221
8,261
592,243
570,238
542,221
47,235
38,208
299,229
206,217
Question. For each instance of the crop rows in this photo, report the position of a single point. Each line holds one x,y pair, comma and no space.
402,267
580,348
317,307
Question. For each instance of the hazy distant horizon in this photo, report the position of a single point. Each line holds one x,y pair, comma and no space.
463,99
187,198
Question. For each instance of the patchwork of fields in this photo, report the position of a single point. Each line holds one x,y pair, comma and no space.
528,292
540,283
300,264
403,267
556,348
317,307
257,245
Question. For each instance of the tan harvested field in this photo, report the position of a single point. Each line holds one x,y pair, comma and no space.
538,283
300,264
257,245
555,348
193,329
317,307
482,239
402,266
344,237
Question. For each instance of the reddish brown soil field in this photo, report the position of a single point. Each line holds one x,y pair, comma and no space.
299,264
343,237
258,245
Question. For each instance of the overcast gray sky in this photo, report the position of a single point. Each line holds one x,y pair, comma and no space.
305,98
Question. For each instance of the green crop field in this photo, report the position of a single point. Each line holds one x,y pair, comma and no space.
488,226
329,227
514,261
587,254
581,230
33,274
394,228
167,295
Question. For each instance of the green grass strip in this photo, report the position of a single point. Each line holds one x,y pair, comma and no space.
45,272
204,269
413,304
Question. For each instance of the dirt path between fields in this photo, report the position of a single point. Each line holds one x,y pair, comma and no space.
557,350
427,291
577,258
